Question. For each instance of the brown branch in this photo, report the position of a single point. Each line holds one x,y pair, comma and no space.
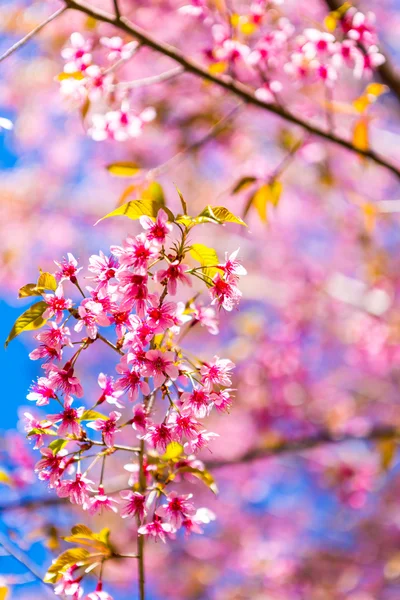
32,33
387,72
225,82
321,438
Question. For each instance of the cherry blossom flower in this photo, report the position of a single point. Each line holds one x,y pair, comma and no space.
100,502
77,54
161,317
136,252
51,466
134,506
159,436
216,372
69,419
110,393
77,490
202,516
57,304
177,509
157,529
224,293
98,594
175,272
91,315
64,380
197,402
32,423
131,381
222,399
42,391
119,125
161,366
140,419
207,317
118,50
69,585
108,427
67,269
156,231
104,267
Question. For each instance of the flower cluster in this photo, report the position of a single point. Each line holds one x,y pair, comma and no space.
93,87
158,395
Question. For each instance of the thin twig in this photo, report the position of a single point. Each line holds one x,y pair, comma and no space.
225,82
106,341
117,11
32,33
21,558
319,439
211,134
138,83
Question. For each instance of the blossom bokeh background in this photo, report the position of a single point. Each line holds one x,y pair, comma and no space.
316,340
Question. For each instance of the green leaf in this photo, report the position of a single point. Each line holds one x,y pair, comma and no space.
220,214
173,451
47,281
183,202
57,445
30,289
70,557
207,257
268,193
39,431
81,534
243,184
123,169
137,208
92,415
29,320
205,476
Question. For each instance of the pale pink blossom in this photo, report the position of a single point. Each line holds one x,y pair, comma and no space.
161,366
100,502
157,230
216,373
57,304
134,506
157,529
108,427
174,273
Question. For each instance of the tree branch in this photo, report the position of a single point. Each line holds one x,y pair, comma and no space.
387,72
31,34
225,82
307,443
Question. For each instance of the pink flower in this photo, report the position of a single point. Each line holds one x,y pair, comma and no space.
51,466
156,529
200,442
156,231
110,393
77,54
98,594
131,381
183,424
217,372
159,436
101,502
133,288
198,402
232,267
46,353
42,391
224,293
54,336
160,317
141,332
108,427
57,304
135,505
91,314
136,252
140,419
222,400
77,490
174,273
202,516
207,317
104,267
69,585
177,509
119,125
69,419
32,423
63,379
118,50
161,366
67,268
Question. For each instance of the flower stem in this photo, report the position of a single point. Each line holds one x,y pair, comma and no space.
140,538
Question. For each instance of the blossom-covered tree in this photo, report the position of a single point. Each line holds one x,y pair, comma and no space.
251,108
